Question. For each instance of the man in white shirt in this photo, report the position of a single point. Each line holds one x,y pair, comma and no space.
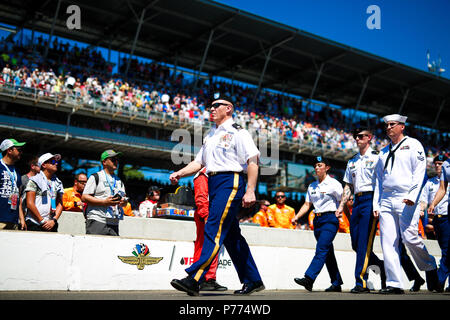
400,172
227,153
105,196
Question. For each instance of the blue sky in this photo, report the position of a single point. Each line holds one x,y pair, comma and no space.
408,27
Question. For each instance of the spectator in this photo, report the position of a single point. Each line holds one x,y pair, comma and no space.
280,215
344,219
148,206
72,196
127,210
10,217
261,216
44,195
104,195
34,170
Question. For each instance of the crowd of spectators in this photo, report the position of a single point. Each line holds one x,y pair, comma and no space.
85,75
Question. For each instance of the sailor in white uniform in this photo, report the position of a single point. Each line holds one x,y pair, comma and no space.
400,172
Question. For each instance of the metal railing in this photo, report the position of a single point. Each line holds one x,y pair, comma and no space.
72,102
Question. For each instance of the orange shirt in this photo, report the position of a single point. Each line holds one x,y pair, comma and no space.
260,218
69,199
280,216
311,216
344,224
127,210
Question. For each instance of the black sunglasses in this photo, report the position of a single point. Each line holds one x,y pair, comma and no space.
360,136
280,196
217,105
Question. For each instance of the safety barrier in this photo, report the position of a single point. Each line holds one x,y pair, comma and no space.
151,252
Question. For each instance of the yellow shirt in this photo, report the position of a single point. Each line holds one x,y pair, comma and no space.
280,216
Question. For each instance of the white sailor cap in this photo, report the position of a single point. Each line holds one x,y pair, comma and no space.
395,117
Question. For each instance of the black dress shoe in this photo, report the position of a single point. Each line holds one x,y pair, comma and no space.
432,280
306,282
417,284
333,288
359,289
212,285
391,290
250,287
188,285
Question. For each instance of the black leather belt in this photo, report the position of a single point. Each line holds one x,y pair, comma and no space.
319,214
359,194
214,173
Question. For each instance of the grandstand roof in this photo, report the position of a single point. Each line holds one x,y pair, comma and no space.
238,45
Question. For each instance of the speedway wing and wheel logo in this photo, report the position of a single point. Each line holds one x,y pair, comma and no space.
141,257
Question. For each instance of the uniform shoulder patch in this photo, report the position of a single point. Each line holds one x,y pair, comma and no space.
237,126
375,152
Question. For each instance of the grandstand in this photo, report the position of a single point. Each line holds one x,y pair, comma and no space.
302,74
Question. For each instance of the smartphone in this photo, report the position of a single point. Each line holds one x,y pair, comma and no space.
117,197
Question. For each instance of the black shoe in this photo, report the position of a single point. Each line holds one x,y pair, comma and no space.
333,288
447,289
383,278
417,284
188,285
250,287
306,282
391,290
432,280
212,285
359,289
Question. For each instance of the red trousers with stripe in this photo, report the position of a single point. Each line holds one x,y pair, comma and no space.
200,217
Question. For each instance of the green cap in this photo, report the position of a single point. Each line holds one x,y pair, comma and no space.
109,154
8,143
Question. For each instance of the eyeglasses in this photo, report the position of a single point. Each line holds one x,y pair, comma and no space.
113,159
82,181
391,125
280,197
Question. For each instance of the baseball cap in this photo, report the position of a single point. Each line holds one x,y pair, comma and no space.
109,154
8,143
47,156
440,157
322,160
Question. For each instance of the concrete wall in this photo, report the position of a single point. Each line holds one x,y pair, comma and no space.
71,260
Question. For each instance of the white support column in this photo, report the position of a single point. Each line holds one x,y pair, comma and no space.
205,54
141,20
261,77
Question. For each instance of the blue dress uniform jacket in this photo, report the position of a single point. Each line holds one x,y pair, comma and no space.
224,153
